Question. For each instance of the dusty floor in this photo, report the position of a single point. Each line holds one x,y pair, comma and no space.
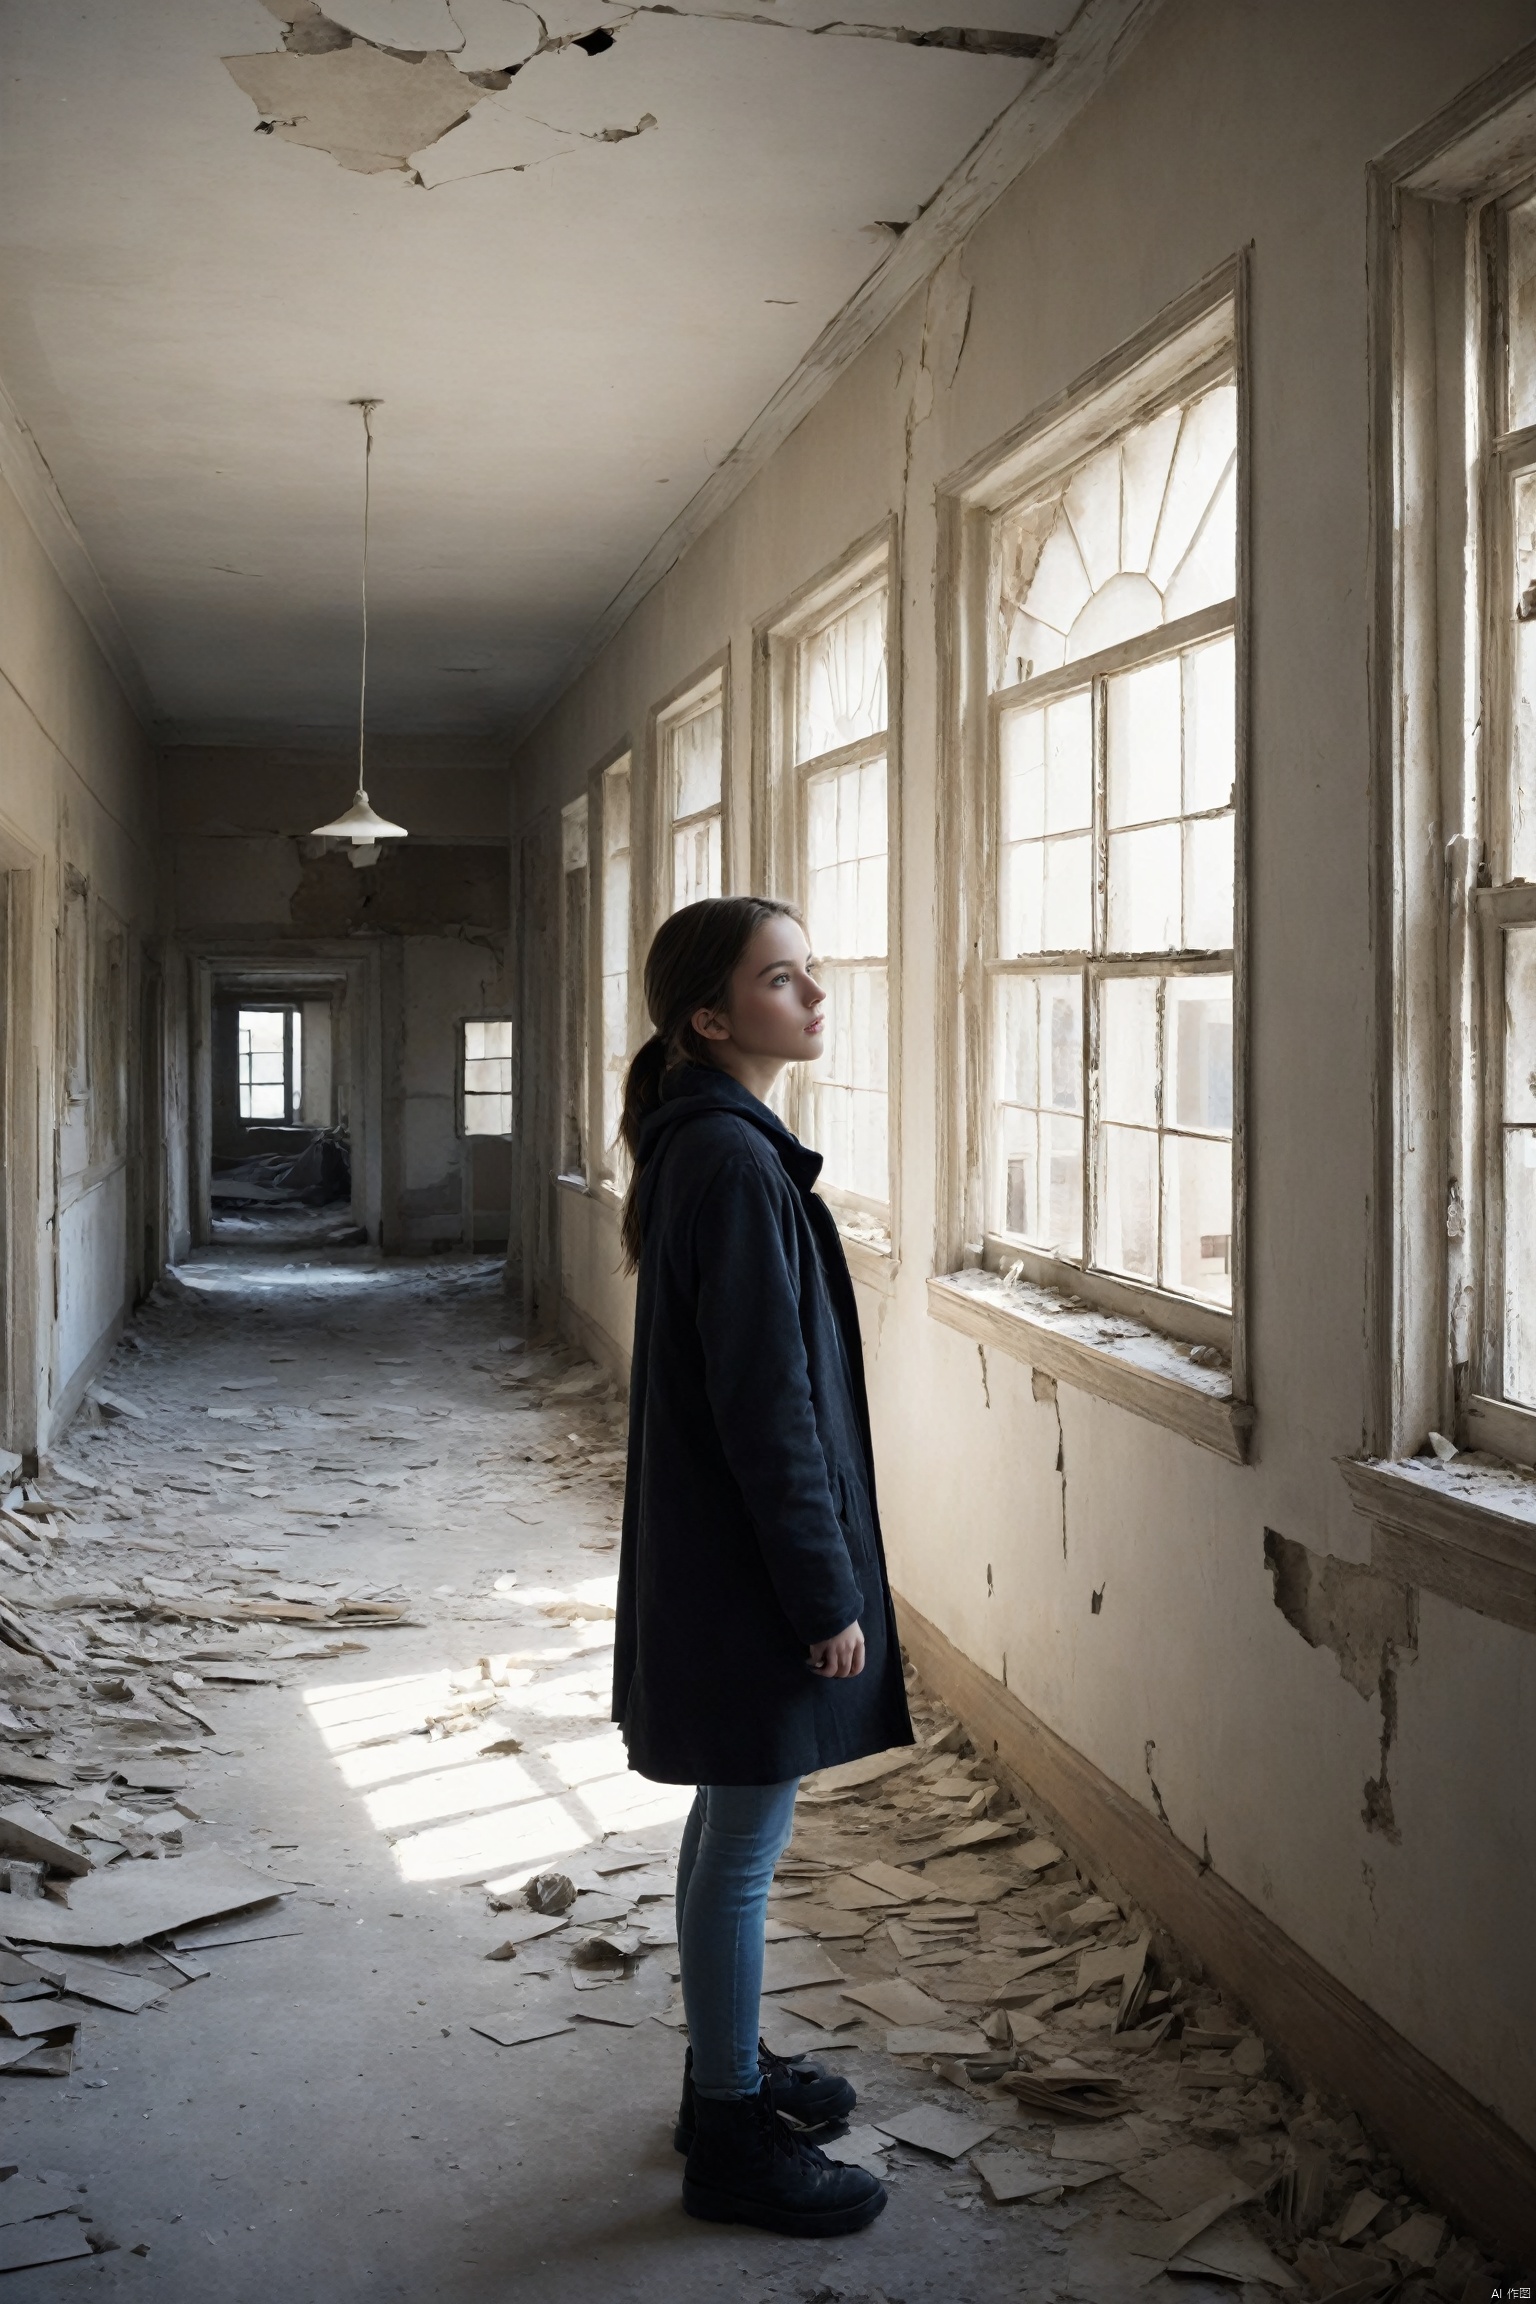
317,2118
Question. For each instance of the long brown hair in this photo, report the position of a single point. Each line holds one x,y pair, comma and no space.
692,959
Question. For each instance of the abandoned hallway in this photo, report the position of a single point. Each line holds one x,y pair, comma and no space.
1047,489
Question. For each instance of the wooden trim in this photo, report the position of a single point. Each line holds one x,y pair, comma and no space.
579,1328
1502,1428
1149,647
1210,1419
1469,1552
1459,2151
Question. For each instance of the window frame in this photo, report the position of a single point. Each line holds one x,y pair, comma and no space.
781,825
1442,698
574,1107
293,1081
606,1166
1486,1417
1199,341
461,1093
710,684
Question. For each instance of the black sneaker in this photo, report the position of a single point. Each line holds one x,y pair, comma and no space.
803,2093
748,2166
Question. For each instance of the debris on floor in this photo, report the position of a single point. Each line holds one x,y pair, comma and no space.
1033,2056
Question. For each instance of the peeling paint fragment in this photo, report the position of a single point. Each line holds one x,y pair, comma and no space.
986,1389
1335,1605
621,135
1367,1622
369,109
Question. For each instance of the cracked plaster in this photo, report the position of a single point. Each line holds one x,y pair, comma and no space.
379,84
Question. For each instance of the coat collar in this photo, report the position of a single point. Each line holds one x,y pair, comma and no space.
699,1089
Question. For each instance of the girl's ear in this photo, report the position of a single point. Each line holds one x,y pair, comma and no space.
709,1024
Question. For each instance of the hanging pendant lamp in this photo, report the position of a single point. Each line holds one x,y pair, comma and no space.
362,826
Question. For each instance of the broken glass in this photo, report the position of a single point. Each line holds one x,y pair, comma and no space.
840,686
1144,530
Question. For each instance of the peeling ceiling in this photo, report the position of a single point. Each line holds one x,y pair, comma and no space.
573,250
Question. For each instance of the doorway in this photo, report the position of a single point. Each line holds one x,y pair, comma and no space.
286,1124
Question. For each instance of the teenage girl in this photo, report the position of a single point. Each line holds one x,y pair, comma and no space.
756,1639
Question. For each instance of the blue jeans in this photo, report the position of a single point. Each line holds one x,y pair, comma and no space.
734,1836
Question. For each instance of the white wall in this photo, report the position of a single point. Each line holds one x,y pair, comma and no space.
77,811
1230,126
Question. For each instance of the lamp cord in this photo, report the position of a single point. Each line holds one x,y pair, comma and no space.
367,407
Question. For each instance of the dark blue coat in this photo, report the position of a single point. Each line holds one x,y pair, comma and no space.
750,1527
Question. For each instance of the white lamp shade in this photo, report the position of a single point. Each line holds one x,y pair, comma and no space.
361,824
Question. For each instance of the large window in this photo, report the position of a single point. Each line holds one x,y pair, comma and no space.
485,1076
614,960
1112,764
691,745
833,721
270,1045
1503,1354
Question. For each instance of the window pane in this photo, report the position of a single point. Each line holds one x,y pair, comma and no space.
487,1075
1068,917
840,679
1018,1040
483,1039
1520,1266
1197,1217
1522,315
1145,744
1021,755
1069,763
1021,927
846,861
848,1086
487,1115
1522,793
1039,1089
1144,889
1206,450
1128,1201
616,811
696,749
1519,1278
1199,1053
695,861
1210,724
262,1103
1128,1050
263,1028
1208,884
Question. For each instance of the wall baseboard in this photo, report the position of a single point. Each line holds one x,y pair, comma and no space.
578,1327
1461,2153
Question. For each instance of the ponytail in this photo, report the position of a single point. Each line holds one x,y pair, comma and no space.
692,959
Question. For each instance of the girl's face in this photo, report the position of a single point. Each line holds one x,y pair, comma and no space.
774,1016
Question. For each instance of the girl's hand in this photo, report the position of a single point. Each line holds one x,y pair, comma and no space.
839,1659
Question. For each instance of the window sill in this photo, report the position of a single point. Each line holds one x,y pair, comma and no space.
873,1267
1466,1531
1115,1359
